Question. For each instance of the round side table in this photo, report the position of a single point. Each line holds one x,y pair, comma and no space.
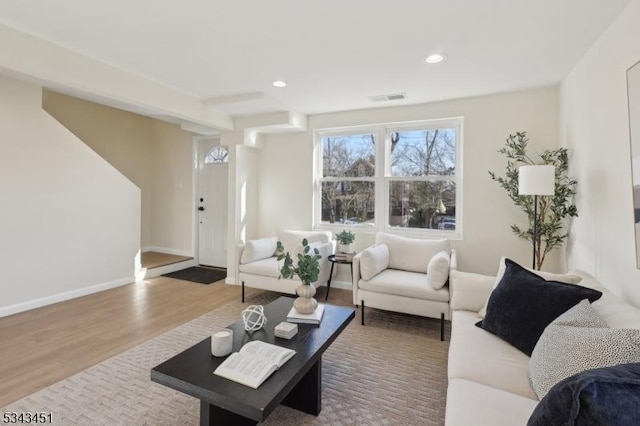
333,260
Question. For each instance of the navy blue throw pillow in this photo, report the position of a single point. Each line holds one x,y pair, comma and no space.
524,304
602,396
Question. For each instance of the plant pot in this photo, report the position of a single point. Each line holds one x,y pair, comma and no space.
305,303
344,248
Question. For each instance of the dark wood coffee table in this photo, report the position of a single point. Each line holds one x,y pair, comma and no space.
297,384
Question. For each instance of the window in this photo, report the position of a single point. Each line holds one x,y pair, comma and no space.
217,155
400,177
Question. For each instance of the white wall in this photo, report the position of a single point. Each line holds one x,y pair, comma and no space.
286,189
594,124
69,221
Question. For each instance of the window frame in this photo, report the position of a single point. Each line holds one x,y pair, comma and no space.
383,177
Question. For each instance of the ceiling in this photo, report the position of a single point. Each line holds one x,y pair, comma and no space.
333,54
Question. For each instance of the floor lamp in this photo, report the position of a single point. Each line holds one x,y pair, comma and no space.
536,180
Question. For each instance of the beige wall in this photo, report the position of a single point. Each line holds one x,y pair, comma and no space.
286,181
69,221
172,205
594,124
155,155
120,137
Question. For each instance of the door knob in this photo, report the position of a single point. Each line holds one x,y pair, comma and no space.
201,208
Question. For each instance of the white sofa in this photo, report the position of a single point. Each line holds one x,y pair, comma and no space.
258,266
402,285
488,378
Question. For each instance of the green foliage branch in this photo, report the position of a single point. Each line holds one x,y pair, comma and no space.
553,210
345,237
308,267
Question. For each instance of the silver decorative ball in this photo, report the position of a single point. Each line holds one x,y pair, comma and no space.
254,318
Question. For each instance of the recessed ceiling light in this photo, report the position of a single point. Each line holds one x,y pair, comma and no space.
435,58
279,83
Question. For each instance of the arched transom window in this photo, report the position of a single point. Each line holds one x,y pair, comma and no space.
217,155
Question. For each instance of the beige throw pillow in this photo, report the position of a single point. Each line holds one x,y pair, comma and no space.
438,270
373,261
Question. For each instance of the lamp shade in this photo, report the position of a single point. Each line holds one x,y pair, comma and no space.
536,180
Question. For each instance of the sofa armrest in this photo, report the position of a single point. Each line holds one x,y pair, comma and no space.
239,250
325,250
355,279
469,291
453,263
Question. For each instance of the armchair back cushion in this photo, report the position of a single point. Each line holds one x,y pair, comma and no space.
292,239
258,249
373,261
410,254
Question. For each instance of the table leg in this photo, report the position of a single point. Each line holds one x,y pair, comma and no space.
211,415
329,281
307,394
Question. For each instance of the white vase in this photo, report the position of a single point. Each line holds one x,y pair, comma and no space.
305,303
345,248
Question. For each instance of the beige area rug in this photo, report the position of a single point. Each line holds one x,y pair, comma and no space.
392,371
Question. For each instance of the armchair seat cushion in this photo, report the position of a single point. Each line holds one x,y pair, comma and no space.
266,267
404,283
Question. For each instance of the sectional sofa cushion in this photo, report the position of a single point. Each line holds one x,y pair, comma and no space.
374,260
258,249
562,278
603,396
576,341
268,267
404,283
438,270
411,254
523,304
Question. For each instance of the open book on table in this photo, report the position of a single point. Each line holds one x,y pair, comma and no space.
254,363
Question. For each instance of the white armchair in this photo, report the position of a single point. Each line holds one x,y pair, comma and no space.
258,266
405,275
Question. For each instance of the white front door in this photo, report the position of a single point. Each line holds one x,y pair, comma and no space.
213,170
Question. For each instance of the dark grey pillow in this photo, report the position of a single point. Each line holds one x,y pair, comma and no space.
603,396
523,304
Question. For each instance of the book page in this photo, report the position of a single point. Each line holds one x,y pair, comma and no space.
276,354
246,369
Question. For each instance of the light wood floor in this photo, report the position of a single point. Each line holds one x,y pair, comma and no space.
45,345
153,259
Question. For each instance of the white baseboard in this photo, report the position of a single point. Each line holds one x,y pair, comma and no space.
161,270
345,285
61,297
165,250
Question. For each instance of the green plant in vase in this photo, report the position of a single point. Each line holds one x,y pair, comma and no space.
345,239
307,269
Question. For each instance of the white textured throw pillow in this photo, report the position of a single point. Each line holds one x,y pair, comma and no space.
258,249
373,261
438,270
549,276
411,254
576,341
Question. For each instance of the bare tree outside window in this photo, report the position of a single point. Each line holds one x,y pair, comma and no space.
415,165
347,198
427,200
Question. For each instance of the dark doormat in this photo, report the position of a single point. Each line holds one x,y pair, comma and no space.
198,275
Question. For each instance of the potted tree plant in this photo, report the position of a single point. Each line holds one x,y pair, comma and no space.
345,239
307,269
552,212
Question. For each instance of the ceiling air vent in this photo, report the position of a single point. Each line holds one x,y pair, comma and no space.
385,98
